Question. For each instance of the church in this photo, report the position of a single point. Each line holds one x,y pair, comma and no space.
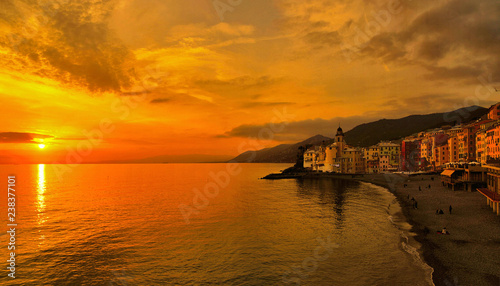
337,157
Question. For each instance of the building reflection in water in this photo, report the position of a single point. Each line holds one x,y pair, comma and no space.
327,191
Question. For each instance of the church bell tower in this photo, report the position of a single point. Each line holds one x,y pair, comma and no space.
339,139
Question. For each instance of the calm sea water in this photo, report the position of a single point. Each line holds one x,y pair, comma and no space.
123,225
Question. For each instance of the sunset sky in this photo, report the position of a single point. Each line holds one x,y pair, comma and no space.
186,77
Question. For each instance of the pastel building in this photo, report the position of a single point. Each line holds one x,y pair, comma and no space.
411,160
441,155
426,149
310,158
453,148
481,138
371,159
389,154
492,142
467,143
336,157
494,112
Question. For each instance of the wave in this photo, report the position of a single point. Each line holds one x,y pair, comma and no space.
398,220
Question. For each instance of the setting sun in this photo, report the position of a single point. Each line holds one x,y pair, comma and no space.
41,146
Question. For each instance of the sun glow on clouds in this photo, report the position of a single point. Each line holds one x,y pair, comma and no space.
172,77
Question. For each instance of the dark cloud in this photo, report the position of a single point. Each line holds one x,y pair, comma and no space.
299,130
173,97
466,73
67,40
323,38
135,93
433,49
21,137
161,100
395,107
458,39
386,47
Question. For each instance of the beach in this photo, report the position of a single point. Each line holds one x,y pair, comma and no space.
470,255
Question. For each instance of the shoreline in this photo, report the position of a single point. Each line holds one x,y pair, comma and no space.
427,247
469,256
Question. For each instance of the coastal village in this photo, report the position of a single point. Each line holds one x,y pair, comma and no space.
467,156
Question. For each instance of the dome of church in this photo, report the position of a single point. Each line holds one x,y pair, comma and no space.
339,131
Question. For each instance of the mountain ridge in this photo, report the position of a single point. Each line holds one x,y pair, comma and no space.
368,134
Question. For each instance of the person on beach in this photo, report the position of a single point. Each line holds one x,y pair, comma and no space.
429,186
419,188
450,208
444,231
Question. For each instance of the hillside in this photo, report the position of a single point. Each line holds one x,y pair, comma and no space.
284,153
392,129
368,134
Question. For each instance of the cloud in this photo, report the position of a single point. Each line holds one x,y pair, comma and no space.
456,39
180,98
69,41
323,38
135,93
160,100
21,137
299,130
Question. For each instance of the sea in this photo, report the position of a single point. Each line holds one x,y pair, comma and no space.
200,224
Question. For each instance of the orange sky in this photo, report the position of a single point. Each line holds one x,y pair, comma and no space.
193,77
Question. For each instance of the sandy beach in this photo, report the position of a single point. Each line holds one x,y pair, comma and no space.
470,255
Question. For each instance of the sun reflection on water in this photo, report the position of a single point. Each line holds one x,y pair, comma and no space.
41,194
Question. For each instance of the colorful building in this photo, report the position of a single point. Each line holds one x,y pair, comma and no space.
371,155
426,149
494,112
336,157
481,136
492,142
477,142
411,160
453,148
441,155
467,143
389,154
